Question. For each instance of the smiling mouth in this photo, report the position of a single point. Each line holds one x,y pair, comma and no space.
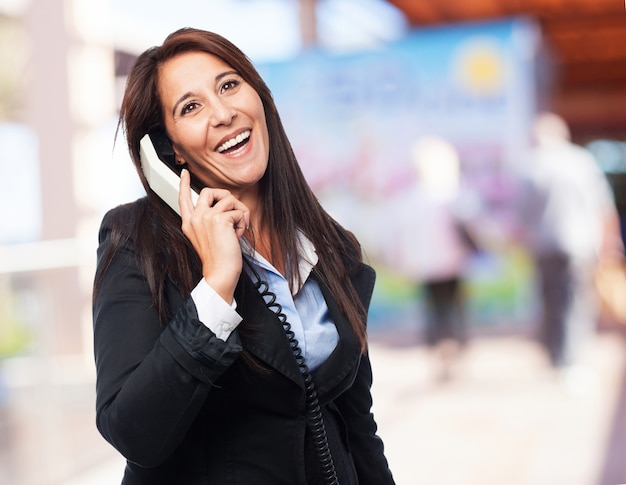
235,142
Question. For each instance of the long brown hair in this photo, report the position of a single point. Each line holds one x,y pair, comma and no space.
287,200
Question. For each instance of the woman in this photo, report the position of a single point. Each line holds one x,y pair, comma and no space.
201,377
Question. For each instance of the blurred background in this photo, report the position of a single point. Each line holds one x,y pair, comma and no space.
358,84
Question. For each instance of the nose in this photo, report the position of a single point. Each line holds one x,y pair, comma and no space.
222,113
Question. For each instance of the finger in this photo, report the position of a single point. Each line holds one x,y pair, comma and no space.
241,222
184,195
239,213
210,196
227,202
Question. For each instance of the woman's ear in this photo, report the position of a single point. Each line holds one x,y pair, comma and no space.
179,159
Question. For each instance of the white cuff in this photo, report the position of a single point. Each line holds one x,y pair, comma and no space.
215,314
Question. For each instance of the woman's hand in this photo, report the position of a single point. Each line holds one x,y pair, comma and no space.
214,226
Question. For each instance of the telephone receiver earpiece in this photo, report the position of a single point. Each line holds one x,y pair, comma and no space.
158,163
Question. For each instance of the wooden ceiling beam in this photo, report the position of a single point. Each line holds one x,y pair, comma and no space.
556,9
427,12
599,47
613,76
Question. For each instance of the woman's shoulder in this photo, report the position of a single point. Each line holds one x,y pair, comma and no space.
124,215
119,223
115,237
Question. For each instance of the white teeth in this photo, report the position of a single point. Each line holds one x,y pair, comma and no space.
234,141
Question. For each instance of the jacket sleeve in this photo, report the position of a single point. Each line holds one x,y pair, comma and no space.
151,381
367,448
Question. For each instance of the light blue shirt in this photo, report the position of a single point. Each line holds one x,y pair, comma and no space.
306,310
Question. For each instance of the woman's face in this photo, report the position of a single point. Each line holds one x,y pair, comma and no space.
215,120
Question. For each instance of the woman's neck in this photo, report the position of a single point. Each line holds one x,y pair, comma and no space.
258,233
264,244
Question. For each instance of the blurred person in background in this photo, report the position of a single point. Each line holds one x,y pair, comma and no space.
433,244
568,217
217,366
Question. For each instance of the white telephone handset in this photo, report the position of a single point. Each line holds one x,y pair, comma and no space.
158,164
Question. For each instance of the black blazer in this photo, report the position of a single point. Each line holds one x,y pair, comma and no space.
183,408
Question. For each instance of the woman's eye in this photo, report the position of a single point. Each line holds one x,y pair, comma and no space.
229,85
189,107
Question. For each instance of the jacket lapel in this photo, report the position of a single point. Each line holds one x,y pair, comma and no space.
338,372
344,358
264,336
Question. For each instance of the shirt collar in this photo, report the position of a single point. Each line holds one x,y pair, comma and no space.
307,256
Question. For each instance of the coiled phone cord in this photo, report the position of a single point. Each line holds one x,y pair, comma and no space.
315,419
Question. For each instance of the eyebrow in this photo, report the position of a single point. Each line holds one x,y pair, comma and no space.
189,94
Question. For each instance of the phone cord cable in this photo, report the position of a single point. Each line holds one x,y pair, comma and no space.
315,420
